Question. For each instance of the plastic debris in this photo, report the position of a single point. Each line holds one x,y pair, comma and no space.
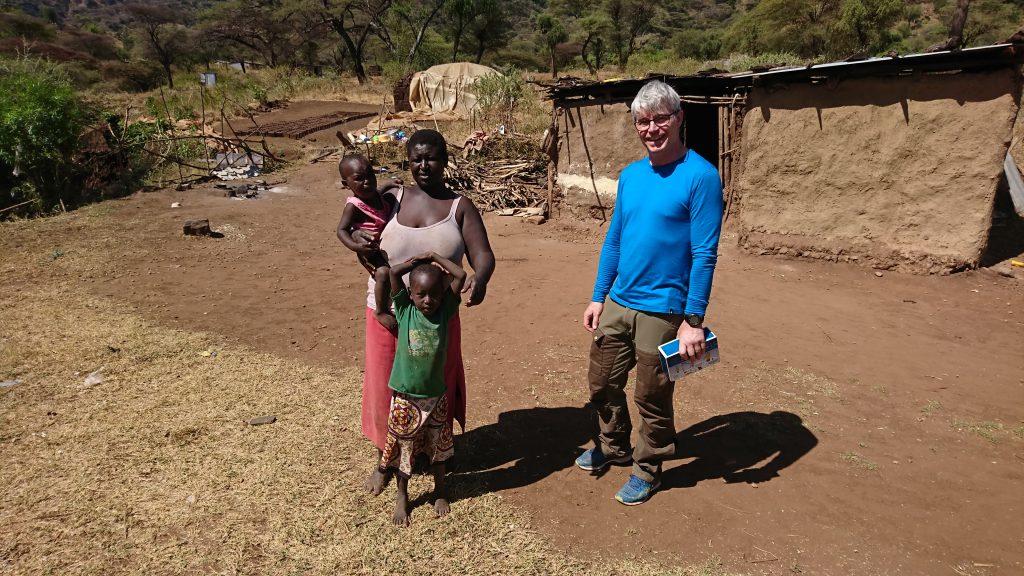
9,383
94,378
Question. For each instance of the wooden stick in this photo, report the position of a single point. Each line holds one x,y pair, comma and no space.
590,162
16,205
170,123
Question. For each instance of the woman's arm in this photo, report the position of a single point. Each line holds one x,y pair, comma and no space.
355,242
478,252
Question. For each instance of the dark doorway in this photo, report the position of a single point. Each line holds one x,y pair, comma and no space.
701,131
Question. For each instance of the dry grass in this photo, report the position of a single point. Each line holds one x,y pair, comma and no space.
155,471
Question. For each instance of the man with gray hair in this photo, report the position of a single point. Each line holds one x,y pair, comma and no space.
655,270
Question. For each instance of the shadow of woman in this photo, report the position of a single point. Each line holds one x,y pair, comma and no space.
731,446
521,448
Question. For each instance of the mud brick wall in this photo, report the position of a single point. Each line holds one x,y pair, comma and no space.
898,173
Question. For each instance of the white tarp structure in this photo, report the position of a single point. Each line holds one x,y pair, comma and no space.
446,87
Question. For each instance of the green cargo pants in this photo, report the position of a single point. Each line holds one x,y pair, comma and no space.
626,338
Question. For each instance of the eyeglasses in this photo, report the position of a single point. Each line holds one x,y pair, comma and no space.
661,121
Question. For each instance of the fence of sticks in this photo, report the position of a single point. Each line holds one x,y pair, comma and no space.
499,172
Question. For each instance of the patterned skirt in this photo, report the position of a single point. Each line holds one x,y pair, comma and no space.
416,426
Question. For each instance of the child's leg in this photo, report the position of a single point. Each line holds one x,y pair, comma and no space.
382,299
441,506
401,514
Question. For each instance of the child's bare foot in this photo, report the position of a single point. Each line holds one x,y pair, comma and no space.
401,514
441,507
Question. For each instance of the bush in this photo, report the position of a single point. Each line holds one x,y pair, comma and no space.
499,96
140,76
41,120
698,44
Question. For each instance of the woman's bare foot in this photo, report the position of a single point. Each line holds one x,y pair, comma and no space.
377,479
375,482
401,514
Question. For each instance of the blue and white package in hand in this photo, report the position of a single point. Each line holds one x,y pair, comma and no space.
676,366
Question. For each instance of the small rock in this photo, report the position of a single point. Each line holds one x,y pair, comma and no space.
239,190
536,219
877,273
261,420
175,204
9,383
191,499
197,228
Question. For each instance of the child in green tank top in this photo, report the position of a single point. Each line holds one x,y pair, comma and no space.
418,420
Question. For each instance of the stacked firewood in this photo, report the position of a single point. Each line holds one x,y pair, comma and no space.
493,182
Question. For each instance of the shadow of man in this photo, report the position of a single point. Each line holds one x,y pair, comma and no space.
731,446
521,448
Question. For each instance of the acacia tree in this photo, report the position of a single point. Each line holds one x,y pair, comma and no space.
632,19
594,28
161,34
266,27
552,34
490,29
353,21
461,16
416,16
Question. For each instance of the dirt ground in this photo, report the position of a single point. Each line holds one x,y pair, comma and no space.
856,425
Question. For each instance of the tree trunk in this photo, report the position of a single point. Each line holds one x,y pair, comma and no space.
170,77
554,65
956,30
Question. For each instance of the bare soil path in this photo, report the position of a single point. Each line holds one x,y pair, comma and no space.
857,424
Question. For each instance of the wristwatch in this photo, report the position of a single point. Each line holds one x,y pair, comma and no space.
695,320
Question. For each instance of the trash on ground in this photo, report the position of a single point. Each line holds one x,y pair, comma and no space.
95,377
9,383
261,420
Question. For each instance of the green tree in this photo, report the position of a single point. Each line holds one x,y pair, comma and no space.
268,28
632,19
40,123
868,24
354,21
552,34
162,37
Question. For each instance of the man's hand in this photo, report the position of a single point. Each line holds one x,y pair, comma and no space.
691,341
592,315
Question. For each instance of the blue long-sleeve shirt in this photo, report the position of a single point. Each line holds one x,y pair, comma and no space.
662,244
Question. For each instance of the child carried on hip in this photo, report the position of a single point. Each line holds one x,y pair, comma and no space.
368,210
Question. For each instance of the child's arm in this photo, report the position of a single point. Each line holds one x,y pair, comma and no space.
457,273
354,242
388,186
400,270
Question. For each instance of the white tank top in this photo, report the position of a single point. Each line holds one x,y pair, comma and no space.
402,242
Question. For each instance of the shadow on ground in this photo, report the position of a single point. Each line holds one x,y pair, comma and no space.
749,447
521,448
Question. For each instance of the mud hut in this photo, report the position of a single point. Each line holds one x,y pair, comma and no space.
894,162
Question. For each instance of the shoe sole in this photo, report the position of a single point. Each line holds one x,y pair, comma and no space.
638,502
607,463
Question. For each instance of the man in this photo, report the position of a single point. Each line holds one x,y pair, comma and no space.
656,268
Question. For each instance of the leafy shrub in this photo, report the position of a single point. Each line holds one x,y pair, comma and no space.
140,76
500,95
698,44
40,123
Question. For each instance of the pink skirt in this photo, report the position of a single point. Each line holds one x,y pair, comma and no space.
380,356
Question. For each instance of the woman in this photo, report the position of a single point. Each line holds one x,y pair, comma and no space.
428,217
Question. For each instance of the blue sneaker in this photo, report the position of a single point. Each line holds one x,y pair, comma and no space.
594,460
636,491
